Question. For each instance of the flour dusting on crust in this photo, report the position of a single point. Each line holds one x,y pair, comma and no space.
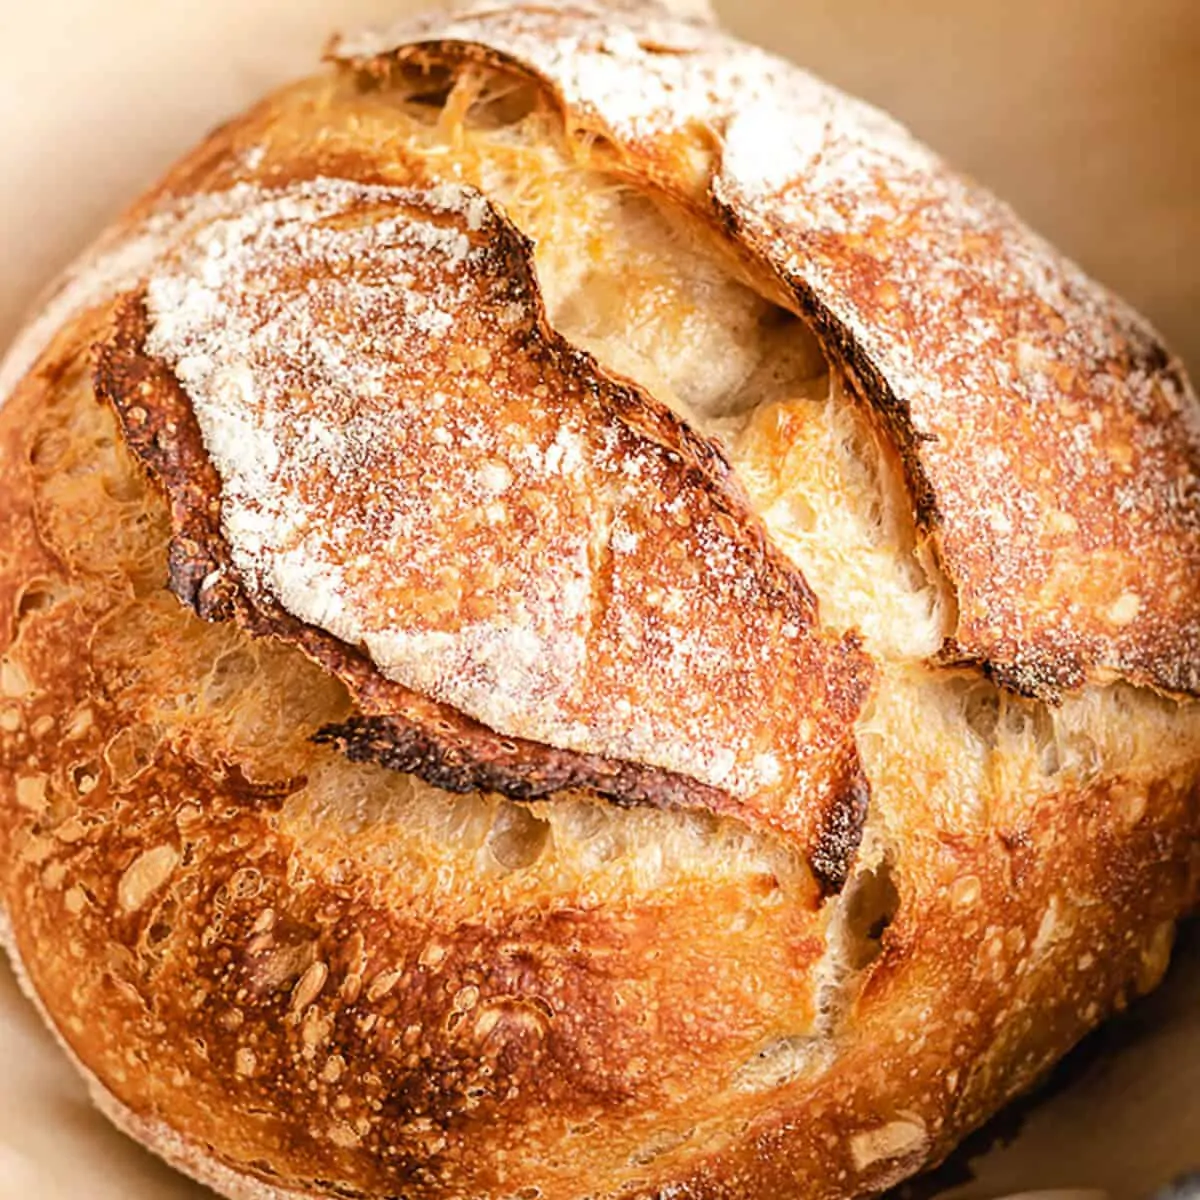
411,461
1051,445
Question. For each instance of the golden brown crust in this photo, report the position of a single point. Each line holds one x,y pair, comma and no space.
293,974
685,596
264,996
1048,436
278,1006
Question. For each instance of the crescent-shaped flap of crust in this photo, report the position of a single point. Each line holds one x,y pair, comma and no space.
531,575
1052,447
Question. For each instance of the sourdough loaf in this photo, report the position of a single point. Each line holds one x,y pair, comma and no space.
581,617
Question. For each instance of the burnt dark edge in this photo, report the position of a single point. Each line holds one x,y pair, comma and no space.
513,767
165,438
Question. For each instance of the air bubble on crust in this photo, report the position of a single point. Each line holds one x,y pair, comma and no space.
15,682
85,776
130,752
899,1139
659,1145
38,595
517,837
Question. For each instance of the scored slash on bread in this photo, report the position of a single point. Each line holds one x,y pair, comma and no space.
350,415
945,313
613,616
1050,443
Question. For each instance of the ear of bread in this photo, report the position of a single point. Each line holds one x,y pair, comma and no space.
579,617
1022,396
569,612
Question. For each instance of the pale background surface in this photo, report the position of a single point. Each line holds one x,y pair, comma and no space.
1083,113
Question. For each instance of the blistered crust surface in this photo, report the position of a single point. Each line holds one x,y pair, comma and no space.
408,460
329,973
1051,444
340,982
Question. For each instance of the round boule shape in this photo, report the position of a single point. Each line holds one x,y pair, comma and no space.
581,617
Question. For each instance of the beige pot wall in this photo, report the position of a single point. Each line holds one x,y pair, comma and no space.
1083,113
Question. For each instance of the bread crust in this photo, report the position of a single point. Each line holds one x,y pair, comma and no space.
777,689
157,1137
310,987
1008,945
1023,397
